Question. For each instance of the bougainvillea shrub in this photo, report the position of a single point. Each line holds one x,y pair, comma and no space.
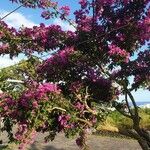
73,83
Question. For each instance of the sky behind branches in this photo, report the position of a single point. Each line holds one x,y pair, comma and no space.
30,17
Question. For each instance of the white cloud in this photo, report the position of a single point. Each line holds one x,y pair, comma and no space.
64,25
16,19
5,61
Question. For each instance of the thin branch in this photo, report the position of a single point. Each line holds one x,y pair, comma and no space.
105,71
66,19
10,12
58,108
78,97
126,99
84,121
127,91
123,113
85,102
86,105
93,21
132,99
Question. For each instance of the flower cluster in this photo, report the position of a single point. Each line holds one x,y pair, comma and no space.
117,52
78,105
75,86
56,63
138,68
65,10
144,27
7,103
47,14
98,88
50,8
83,21
64,123
39,38
31,99
33,4
142,70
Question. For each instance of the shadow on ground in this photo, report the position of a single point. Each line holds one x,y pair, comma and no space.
35,147
51,148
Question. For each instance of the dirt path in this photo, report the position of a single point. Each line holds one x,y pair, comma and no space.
95,143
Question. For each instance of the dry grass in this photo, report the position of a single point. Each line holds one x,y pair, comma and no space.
107,127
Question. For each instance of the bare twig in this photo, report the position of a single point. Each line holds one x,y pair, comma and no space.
66,19
10,12
57,108
84,121
86,105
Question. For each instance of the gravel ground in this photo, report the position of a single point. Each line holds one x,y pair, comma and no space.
94,142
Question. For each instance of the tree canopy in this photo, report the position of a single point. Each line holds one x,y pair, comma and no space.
91,66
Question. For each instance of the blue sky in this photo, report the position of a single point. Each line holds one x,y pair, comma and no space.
29,17
34,14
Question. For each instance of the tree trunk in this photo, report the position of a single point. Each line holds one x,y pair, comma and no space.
142,136
144,139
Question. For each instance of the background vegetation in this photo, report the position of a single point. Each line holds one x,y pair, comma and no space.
115,121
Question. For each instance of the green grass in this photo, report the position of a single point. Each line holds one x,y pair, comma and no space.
145,118
115,121
118,121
